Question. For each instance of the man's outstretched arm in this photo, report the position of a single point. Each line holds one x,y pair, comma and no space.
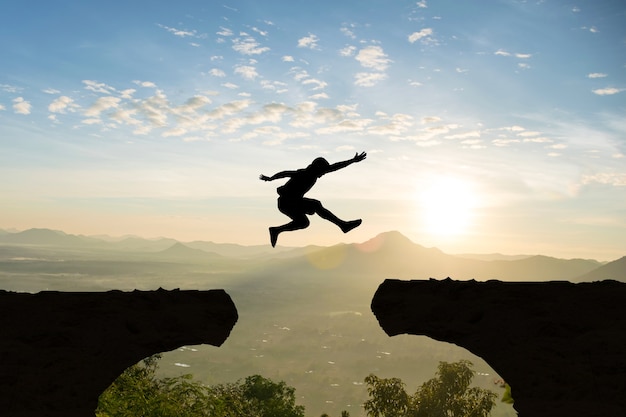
282,174
358,157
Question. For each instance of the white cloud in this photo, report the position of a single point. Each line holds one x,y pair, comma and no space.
51,91
229,109
271,113
179,32
62,104
398,124
319,85
347,51
299,73
609,91
427,143
147,84
558,146
287,58
615,179
430,119
523,56
156,109
526,133
308,42
596,75
537,140
224,32
248,46
193,104
373,57
514,128
2,107
344,148
422,35
175,131
349,33
141,130
97,87
217,72
128,93
369,79
263,33
102,104
345,126
246,71
273,85
21,106
502,52
230,86
473,143
125,116
504,142
10,88
306,114
472,134
422,4
319,96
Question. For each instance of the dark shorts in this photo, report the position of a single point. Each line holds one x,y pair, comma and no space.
296,207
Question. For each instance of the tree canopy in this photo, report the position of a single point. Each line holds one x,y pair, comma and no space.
448,394
139,392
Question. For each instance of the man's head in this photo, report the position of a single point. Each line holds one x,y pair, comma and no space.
319,165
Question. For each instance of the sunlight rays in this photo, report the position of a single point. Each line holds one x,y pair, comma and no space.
446,207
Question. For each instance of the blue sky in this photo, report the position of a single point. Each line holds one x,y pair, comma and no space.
493,126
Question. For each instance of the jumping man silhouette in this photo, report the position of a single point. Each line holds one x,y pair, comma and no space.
291,200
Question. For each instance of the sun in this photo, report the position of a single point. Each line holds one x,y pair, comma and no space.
446,206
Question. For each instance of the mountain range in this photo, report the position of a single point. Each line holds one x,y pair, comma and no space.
388,255
304,312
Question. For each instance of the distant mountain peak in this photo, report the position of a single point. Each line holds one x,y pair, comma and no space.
391,241
180,250
392,237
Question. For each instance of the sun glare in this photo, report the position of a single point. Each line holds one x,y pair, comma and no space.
446,207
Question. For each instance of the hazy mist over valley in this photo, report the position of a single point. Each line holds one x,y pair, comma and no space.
304,313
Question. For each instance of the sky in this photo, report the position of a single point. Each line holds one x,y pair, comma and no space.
492,126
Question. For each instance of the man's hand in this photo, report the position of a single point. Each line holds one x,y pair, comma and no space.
358,157
264,177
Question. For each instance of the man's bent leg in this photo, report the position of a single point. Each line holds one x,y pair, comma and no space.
326,214
299,222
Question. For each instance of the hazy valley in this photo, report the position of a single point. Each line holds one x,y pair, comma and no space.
304,313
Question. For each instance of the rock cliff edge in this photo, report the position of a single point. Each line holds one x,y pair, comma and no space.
60,351
559,345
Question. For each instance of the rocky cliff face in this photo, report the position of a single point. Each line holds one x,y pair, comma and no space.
559,345
60,351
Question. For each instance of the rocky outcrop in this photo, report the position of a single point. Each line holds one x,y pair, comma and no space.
559,345
60,351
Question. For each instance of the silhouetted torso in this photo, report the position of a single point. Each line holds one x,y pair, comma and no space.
291,200
298,185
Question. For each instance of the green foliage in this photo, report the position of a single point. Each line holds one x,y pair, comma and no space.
388,397
138,392
447,395
507,397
